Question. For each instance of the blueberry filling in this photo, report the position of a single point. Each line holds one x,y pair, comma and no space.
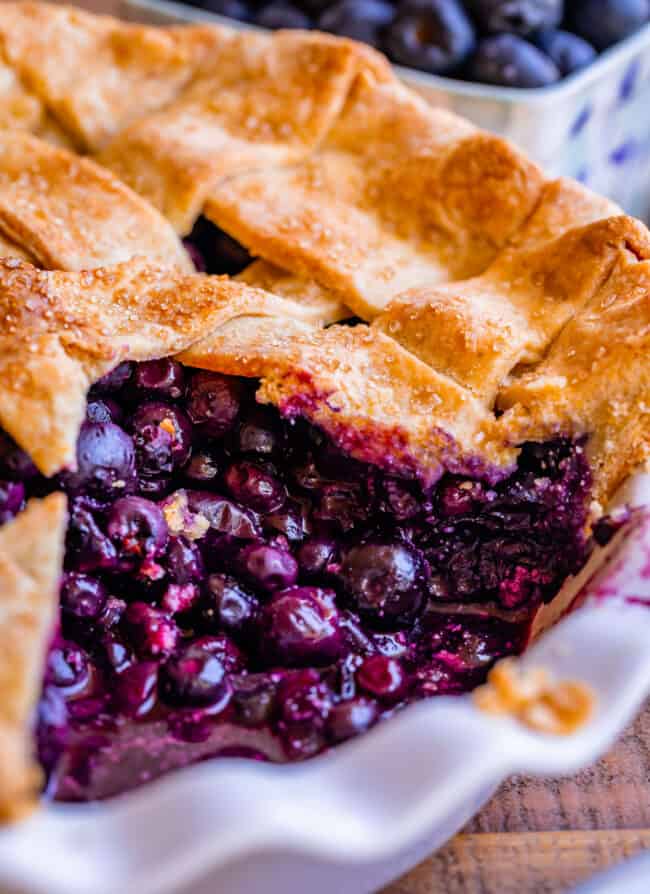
235,585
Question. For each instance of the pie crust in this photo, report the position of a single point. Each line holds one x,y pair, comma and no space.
496,306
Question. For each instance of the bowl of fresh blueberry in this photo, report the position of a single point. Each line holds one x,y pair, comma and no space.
567,80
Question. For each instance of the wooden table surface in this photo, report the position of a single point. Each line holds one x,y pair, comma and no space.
540,836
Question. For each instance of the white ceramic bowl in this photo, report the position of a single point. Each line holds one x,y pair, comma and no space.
352,820
593,126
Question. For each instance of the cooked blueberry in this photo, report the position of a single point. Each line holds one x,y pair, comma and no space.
254,699
105,461
385,580
279,14
51,728
113,612
267,567
291,521
518,16
138,529
202,468
351,718
118,654
68,668
362,20
195,677
83,596
162,378
260,433
134,691
605,22
316,554
12,497
300,626
184,562
510,61
221,252
153,633
195,253
228,605
213,402
255,487
458,498
87,547
433,35
383,677
179,599
568,51
342,503
162,435
103,409
114,380
15,463
220,514
304,702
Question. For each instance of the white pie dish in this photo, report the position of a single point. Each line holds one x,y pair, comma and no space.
592,126
352,820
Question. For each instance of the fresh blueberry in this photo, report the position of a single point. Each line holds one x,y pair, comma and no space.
383,677
384,580
103,409
268,567
279,14
82,596
300,626
362,20
605,22
433,35
135,687
213,402
195,677
162,435
255,487
568,51
517,16
232,9
153,633
12,498
105,461
229,606
351,718
161,378
510,61
114,380
226,651
138,529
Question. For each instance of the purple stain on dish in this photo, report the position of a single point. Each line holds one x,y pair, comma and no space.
582,175
580,121
623,153
629,82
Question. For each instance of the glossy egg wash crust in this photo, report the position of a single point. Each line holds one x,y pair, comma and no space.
236,585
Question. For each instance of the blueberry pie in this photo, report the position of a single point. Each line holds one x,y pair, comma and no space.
254,514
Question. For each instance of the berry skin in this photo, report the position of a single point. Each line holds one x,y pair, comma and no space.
433,35
507,60
605,22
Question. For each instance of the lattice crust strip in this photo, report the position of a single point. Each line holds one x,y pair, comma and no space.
355,195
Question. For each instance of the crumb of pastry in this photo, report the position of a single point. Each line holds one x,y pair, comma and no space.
535,698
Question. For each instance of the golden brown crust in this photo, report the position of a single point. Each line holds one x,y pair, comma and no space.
595,380
319,305
31,558
96,74
264,101
398,194
70,214
479,330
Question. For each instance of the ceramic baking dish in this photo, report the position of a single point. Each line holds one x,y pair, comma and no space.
352,820
593,126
